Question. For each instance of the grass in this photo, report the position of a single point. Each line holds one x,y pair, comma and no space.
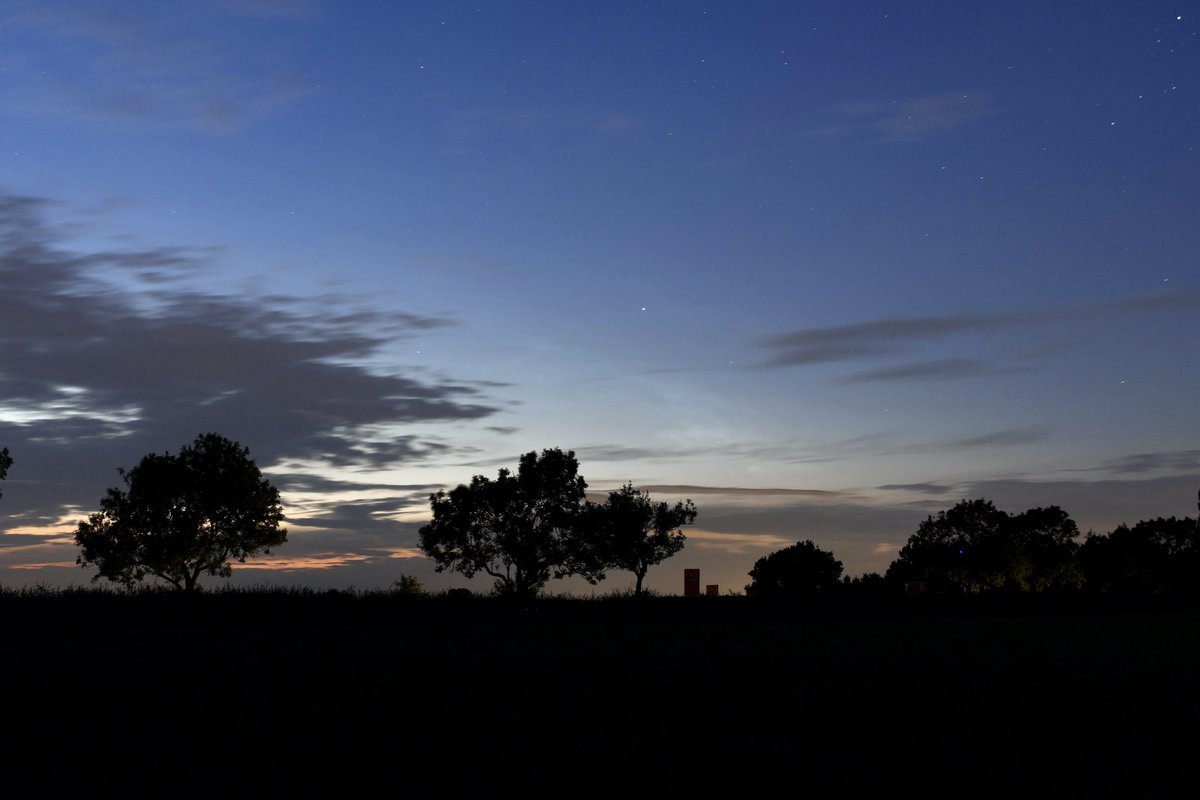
302,692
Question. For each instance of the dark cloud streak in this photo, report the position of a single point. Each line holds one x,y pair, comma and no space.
945,369
887,337
923,488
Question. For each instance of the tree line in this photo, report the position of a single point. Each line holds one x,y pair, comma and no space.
182,516
975,547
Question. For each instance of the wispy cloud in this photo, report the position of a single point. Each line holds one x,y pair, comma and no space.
884,338
742,491
944,369
1141,463
864,339
317,561
923,488
736,543
196,65
1002,438
909,118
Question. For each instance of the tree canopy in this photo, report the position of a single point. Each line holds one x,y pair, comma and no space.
632,532
1155,556
183,516
521,529
796,571
5,463
975,546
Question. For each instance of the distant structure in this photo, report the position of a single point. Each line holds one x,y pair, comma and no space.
712,590
691,583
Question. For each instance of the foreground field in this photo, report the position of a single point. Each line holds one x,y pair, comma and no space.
286,696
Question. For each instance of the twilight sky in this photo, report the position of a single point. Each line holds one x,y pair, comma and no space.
824,267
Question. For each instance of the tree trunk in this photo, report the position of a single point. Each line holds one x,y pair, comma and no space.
637,592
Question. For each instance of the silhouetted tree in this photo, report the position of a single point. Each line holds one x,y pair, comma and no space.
976,547
1047,539
959,547
632,532
520,529
5,463
183,516
802,569
1122,561
1153,557
408,585
870,583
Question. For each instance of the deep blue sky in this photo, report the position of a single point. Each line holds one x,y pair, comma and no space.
876,257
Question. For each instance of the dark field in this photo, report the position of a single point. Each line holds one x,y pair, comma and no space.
315,694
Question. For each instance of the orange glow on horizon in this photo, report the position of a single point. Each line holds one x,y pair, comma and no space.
736,543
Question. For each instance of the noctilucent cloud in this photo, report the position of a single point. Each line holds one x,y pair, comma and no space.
824,268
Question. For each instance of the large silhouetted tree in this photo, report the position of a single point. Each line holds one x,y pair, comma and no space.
521,529
634,533
796,571
1046,539
183,516
974,547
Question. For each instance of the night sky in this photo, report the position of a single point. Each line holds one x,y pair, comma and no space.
823,267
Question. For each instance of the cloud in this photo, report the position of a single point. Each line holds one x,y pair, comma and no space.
316,561
945,369
1002,438
923,488
888,337
909,119
620,453
198,65
869,445
1177,460
735,543
741,491
863,339
96,371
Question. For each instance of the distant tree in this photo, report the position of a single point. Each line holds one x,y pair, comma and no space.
870,583
1122,561
1155,556
183,516
521,529
632,532
408,585
974,547
796,571
5,463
